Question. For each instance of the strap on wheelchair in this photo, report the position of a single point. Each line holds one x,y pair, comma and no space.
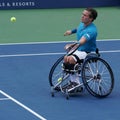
97,52
68,66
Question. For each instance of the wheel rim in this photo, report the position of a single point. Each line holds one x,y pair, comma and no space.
97,77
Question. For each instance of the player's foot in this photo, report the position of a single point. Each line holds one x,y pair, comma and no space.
69,85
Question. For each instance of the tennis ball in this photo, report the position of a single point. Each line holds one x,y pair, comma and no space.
59,79
12,19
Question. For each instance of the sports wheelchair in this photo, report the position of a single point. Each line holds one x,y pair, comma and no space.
95,75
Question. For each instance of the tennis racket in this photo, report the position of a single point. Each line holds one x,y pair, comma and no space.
71,48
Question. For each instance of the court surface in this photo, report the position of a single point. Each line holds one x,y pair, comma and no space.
25,90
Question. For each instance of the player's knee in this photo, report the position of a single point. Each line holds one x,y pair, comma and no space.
71,60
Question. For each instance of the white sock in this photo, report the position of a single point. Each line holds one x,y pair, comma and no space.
75,78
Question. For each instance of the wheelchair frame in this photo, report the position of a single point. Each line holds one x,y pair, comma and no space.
95,74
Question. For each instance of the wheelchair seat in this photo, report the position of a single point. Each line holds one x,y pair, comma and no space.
89,55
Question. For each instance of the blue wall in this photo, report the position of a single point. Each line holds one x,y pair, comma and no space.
42,4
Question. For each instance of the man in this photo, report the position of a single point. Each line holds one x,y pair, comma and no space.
86,34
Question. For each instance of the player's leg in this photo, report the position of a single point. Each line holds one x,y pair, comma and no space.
70,61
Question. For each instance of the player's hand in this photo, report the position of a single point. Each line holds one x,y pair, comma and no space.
68,32
68,47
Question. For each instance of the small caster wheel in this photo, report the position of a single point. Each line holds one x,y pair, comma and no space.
67,97
52,94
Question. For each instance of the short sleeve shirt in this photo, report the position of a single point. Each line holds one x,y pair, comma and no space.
90,33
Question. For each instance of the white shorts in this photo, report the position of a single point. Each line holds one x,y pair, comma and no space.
79,54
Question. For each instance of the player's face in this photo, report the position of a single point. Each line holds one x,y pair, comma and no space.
85,18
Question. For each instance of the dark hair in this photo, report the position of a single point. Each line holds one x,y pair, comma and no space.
93,12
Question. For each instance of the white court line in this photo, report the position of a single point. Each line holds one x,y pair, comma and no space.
22,55
44,54
23,106
51,42
4,99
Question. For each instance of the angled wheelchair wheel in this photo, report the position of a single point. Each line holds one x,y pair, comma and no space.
97,77
56,72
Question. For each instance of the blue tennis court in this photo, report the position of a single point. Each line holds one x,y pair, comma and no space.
25,91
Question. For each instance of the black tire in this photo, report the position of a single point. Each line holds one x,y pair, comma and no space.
55,72
97,77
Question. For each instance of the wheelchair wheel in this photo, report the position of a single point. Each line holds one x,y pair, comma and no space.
97,77
56,72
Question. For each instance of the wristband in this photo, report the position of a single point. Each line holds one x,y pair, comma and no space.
73,31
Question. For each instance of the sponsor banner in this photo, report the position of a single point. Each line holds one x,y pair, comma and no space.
35,4
19,4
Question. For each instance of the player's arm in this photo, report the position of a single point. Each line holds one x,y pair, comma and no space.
82,41
76,44
69,32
